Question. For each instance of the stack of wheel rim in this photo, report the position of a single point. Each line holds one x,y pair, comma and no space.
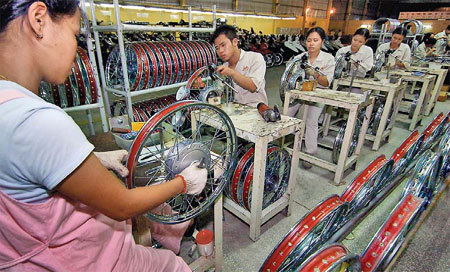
389,238
338,141
278,166
392,25
79,88
144,110
308,235
305,238
334,257
154,64
366,185
406,152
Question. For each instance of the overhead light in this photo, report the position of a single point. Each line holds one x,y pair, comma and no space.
332,11
366,26
426,26
103,5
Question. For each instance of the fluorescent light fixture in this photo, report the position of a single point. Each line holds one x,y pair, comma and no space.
103,5
426,26
366,26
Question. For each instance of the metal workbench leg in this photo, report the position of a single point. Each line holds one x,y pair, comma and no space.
435,93
90,123
218,232
413,87
294,166
365,125
420,102
397,101
383,121
326,122
287,98
259,166
345,145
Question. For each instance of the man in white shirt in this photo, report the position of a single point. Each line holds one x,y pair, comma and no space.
397,49
441,37
246,69
444,34
425,49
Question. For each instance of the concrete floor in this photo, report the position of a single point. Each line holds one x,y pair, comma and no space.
428,251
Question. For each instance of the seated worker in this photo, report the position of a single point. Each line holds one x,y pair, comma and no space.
397,49
425,49
444,40
246,69
360,52
60,208
325,63
445,34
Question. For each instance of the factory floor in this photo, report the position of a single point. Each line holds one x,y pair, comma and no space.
427,251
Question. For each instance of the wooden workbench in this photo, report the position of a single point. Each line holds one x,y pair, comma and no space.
250,126
440,78
351,101
393,93
425,91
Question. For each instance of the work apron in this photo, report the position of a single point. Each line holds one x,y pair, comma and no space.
62,234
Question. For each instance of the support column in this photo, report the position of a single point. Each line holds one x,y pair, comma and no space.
235,5
348,12
275,6
366,4
305,6
330,6
182,3
379,9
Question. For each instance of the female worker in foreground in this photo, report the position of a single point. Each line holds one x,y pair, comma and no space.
361,54
60,208
325,63
400,51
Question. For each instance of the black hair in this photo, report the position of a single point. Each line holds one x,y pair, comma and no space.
363,32
318,30
346,40
427,35
448,27
401,31
227,30
430,41
12,9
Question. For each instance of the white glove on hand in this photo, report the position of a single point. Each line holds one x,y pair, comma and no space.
311,72
195,178
113,161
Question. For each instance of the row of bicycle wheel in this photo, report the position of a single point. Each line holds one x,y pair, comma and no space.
144,110
79,88
380,252
153,64
277,169
317,227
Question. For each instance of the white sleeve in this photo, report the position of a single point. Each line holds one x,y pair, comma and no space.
420,52
328,69
338,54
367,61
47,147
407,55
257,72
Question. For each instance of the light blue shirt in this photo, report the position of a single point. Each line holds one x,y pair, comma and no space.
40,145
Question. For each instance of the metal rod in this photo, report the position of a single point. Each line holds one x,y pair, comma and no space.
123,60
82,107
157,89
214,18
351,81
190,22
102,103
